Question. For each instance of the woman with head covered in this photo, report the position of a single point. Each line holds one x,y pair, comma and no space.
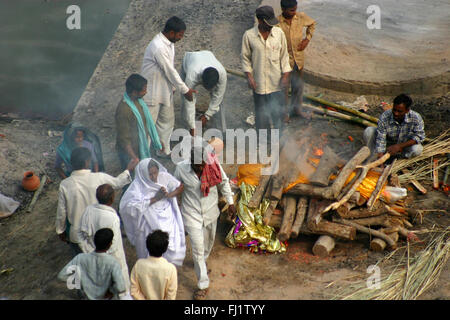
150,204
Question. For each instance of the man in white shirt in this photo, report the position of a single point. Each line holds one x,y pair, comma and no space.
200,211
202,67
78,191
265,61
99,216
163,79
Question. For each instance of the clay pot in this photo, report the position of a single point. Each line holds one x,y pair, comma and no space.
30,181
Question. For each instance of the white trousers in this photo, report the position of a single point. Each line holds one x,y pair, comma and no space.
164,118
202,241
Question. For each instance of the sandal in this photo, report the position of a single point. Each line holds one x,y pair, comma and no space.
200,294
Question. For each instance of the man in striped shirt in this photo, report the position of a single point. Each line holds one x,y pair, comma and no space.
400,131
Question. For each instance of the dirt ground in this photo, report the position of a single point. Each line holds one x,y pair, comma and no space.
29,245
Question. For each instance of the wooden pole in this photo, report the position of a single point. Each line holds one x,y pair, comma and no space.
288,218
380,183
342,116
302,205
259,191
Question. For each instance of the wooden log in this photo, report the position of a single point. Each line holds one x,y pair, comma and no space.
365,170
350,204
323,246
288,218
302,205
382,220
435,174
332,192
328,162
275,221
37,193
416,183
377,245
316,224
369,231
259,191
380,183
362,213
277,187
341,116
269,211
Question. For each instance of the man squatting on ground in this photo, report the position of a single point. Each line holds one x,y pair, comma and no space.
292,23
158,68
265,61
202,67
400,131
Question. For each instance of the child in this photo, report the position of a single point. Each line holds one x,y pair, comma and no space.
97,274
154,278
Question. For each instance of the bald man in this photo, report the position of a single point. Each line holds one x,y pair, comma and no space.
102,215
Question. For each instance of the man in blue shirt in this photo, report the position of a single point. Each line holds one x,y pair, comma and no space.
400,131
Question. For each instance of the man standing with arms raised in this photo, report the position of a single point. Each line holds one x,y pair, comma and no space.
163,79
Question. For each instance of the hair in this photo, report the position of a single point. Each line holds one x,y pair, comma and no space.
103,238
285,4
152,163
157,243
403,98
78,158
104,194
174,24
135,82
210,77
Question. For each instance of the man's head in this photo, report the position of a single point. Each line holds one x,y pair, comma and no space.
197,161
80,158
153,170
210,77
136,86
103,239
266,18
78,136
157,243
402,103
105,194
289,7
174,29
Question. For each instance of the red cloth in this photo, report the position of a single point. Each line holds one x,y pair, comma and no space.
211,175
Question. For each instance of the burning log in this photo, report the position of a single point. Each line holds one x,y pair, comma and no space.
259,191
365,170
302,205
316,224
288,218
332,192
342,116
323,246
380,183
327,164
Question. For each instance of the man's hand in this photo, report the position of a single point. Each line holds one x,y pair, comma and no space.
132,164
302,46
231,212
285,81
251,81
203,119
190,94
394,149
63,237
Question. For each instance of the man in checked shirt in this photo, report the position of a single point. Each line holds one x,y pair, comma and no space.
400,131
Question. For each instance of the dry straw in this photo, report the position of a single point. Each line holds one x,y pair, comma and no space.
421,164
410,278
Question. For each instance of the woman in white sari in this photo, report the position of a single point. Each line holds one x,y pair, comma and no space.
150,204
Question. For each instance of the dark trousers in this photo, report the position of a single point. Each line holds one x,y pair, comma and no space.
296,78
269,110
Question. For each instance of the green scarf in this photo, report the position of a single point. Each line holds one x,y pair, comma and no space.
144,149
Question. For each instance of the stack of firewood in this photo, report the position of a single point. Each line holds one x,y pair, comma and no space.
330,209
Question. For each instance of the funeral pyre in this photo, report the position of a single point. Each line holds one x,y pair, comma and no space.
316,192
